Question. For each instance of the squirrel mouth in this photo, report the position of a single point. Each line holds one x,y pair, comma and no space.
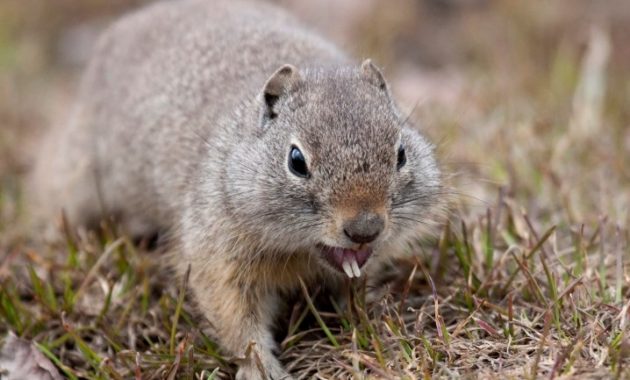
348,261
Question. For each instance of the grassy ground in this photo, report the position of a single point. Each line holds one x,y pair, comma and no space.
528,278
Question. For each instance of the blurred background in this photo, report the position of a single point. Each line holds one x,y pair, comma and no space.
528,98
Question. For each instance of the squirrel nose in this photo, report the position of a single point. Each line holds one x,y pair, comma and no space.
365,228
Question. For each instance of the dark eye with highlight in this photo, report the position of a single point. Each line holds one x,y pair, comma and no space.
297,163
402,158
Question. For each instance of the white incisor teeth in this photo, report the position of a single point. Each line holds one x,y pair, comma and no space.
355,268
347,268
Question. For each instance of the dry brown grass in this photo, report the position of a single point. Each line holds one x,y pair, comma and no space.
530,105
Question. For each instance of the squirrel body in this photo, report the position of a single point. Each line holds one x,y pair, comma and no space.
261,149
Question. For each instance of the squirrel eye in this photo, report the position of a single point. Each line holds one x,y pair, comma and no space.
402,158
297,163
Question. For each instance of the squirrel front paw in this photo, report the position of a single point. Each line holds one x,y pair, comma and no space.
259,363
265,370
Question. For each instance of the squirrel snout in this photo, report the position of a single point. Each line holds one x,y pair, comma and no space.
364,228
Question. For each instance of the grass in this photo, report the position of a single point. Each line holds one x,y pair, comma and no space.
528,278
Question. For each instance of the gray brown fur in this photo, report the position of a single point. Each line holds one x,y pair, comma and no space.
172,132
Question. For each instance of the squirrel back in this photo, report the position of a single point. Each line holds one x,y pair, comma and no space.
159,84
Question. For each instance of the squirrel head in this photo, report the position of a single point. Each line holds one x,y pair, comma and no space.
333,169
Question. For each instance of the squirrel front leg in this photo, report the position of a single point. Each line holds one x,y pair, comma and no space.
241,314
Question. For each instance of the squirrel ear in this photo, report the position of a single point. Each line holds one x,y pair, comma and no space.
283,81
373,74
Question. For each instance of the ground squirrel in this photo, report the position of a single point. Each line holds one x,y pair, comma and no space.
263,150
